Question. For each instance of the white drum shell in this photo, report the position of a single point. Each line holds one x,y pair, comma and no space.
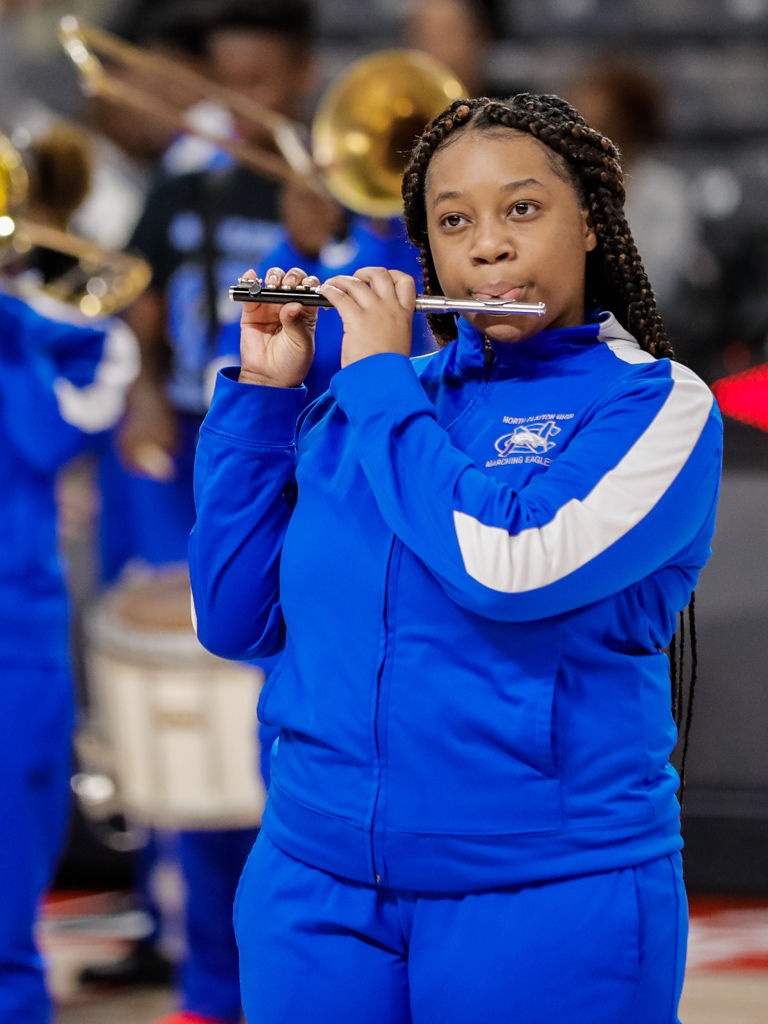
181,724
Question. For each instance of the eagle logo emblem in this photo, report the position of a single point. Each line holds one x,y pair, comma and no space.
532,438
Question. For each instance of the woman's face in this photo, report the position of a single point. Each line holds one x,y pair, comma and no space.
503,224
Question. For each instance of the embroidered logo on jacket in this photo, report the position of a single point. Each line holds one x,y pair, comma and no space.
533,438
529,441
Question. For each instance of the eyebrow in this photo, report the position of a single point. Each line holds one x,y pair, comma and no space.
511,186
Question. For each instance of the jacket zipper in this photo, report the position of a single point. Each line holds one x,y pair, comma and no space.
489,356
376,744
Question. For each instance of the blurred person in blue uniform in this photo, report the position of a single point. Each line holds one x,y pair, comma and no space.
195,230
61,387
62,165
132,152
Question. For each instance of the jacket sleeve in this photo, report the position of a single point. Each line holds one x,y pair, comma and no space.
635,489
63,384
244,475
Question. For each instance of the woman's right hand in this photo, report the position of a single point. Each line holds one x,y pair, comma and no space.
277,341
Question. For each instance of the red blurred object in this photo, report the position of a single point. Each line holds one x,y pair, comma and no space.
184,1017
744,396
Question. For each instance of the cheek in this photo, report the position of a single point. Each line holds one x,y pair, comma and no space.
447,269
438,250
564,259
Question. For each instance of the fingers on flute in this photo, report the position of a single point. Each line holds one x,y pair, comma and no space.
394,284
378,279
294,277
250,309
370,284
277,277
338,292
293,311
405,289
347,286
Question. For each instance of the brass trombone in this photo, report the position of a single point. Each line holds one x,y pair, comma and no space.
360,137
99,284
83,43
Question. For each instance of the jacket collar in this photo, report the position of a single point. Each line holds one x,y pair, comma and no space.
524,358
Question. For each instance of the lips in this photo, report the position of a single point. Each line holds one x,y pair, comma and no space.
504,292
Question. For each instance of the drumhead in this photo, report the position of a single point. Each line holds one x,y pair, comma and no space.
147,615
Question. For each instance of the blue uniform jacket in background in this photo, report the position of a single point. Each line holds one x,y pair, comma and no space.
61,386
474,591
383,245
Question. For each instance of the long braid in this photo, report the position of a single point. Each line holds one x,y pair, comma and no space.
682,710
616,278
677,696
691,693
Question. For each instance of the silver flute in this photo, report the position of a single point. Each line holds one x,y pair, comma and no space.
249,289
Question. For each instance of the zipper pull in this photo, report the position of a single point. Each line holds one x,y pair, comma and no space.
490,355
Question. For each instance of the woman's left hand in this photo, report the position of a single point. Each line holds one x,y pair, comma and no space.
376,306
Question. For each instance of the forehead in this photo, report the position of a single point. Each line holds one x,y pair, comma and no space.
501,154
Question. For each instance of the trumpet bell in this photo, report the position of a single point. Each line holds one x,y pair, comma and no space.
367,122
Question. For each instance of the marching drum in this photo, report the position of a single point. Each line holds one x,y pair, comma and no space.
180,723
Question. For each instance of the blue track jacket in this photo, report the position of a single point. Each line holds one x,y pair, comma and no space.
473,589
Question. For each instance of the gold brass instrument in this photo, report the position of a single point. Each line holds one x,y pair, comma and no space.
13,187
99,283
250,289
83,43
361,135
368,120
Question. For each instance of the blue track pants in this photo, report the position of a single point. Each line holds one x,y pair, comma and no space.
598,949
36,717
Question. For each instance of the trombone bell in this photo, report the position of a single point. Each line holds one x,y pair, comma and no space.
368,120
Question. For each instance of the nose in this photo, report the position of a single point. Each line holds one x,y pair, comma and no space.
492,242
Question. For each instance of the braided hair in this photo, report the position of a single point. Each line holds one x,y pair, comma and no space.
615,277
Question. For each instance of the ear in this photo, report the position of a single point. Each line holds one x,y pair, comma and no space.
590,238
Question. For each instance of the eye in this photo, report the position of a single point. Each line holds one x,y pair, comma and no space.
523,208
452,220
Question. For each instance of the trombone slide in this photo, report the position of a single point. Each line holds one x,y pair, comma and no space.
249,289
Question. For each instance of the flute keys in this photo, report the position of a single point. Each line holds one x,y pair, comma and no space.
285,288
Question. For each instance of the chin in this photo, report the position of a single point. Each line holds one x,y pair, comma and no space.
509,328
